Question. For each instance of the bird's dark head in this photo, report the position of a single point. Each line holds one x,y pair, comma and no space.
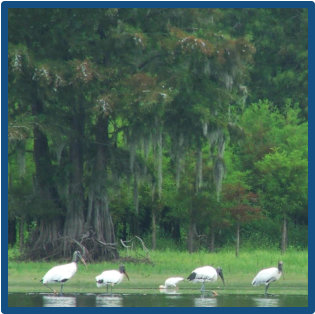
122,270
76,256
280,265
220,273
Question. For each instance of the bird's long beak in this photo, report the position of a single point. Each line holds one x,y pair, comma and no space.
83,261
221,275
126,275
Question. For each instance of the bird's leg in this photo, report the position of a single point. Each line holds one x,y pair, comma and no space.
202,287
266,288
202,290
61,288
53,290
107,289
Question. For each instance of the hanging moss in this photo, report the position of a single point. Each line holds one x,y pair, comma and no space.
59,149
179,156
228,81
159,158
221,144
146,141
136,193
132,151
218,174
199,169
205,128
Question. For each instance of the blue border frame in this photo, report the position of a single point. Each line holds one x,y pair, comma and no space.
156,4
143,4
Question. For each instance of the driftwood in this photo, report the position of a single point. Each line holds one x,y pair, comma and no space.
136,250
93,249
97,249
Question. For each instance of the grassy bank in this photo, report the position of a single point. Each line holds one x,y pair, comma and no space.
238,273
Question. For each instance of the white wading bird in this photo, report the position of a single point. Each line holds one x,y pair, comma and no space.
267,276
62,273
171,282
111,277
206,273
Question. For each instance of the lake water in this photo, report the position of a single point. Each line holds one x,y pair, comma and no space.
154,300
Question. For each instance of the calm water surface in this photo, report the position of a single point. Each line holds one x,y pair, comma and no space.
154,300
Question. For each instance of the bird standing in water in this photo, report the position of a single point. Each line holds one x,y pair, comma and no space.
62,273
111,277
206,274
268,275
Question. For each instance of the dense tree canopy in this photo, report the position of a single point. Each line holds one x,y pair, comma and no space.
128,122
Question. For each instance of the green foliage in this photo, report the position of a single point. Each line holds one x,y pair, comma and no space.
280,64
125,115
284,181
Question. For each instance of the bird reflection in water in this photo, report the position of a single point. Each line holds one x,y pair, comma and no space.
205,302
108,301
171,291
266,302
58,301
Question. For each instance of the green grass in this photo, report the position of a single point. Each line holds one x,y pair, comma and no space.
238,273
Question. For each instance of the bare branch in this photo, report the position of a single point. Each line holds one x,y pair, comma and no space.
124,245
143,245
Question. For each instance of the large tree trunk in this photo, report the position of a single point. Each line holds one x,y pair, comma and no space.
74,222
191,236
12,231
99,217
75,216
153,230
49,226
212,239
237,246
47,243
21,234
284,235
12,221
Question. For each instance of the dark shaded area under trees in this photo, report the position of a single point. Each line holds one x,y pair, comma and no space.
185,127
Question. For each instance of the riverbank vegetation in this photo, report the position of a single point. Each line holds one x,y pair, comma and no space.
146,277
181,128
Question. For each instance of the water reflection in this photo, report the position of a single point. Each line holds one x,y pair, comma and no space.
108,301
205,302
169,291
266,302
58,301
155,300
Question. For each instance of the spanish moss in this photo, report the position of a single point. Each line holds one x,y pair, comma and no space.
132,151
205,128
159,163
199,169
218,174
136,193
179,156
